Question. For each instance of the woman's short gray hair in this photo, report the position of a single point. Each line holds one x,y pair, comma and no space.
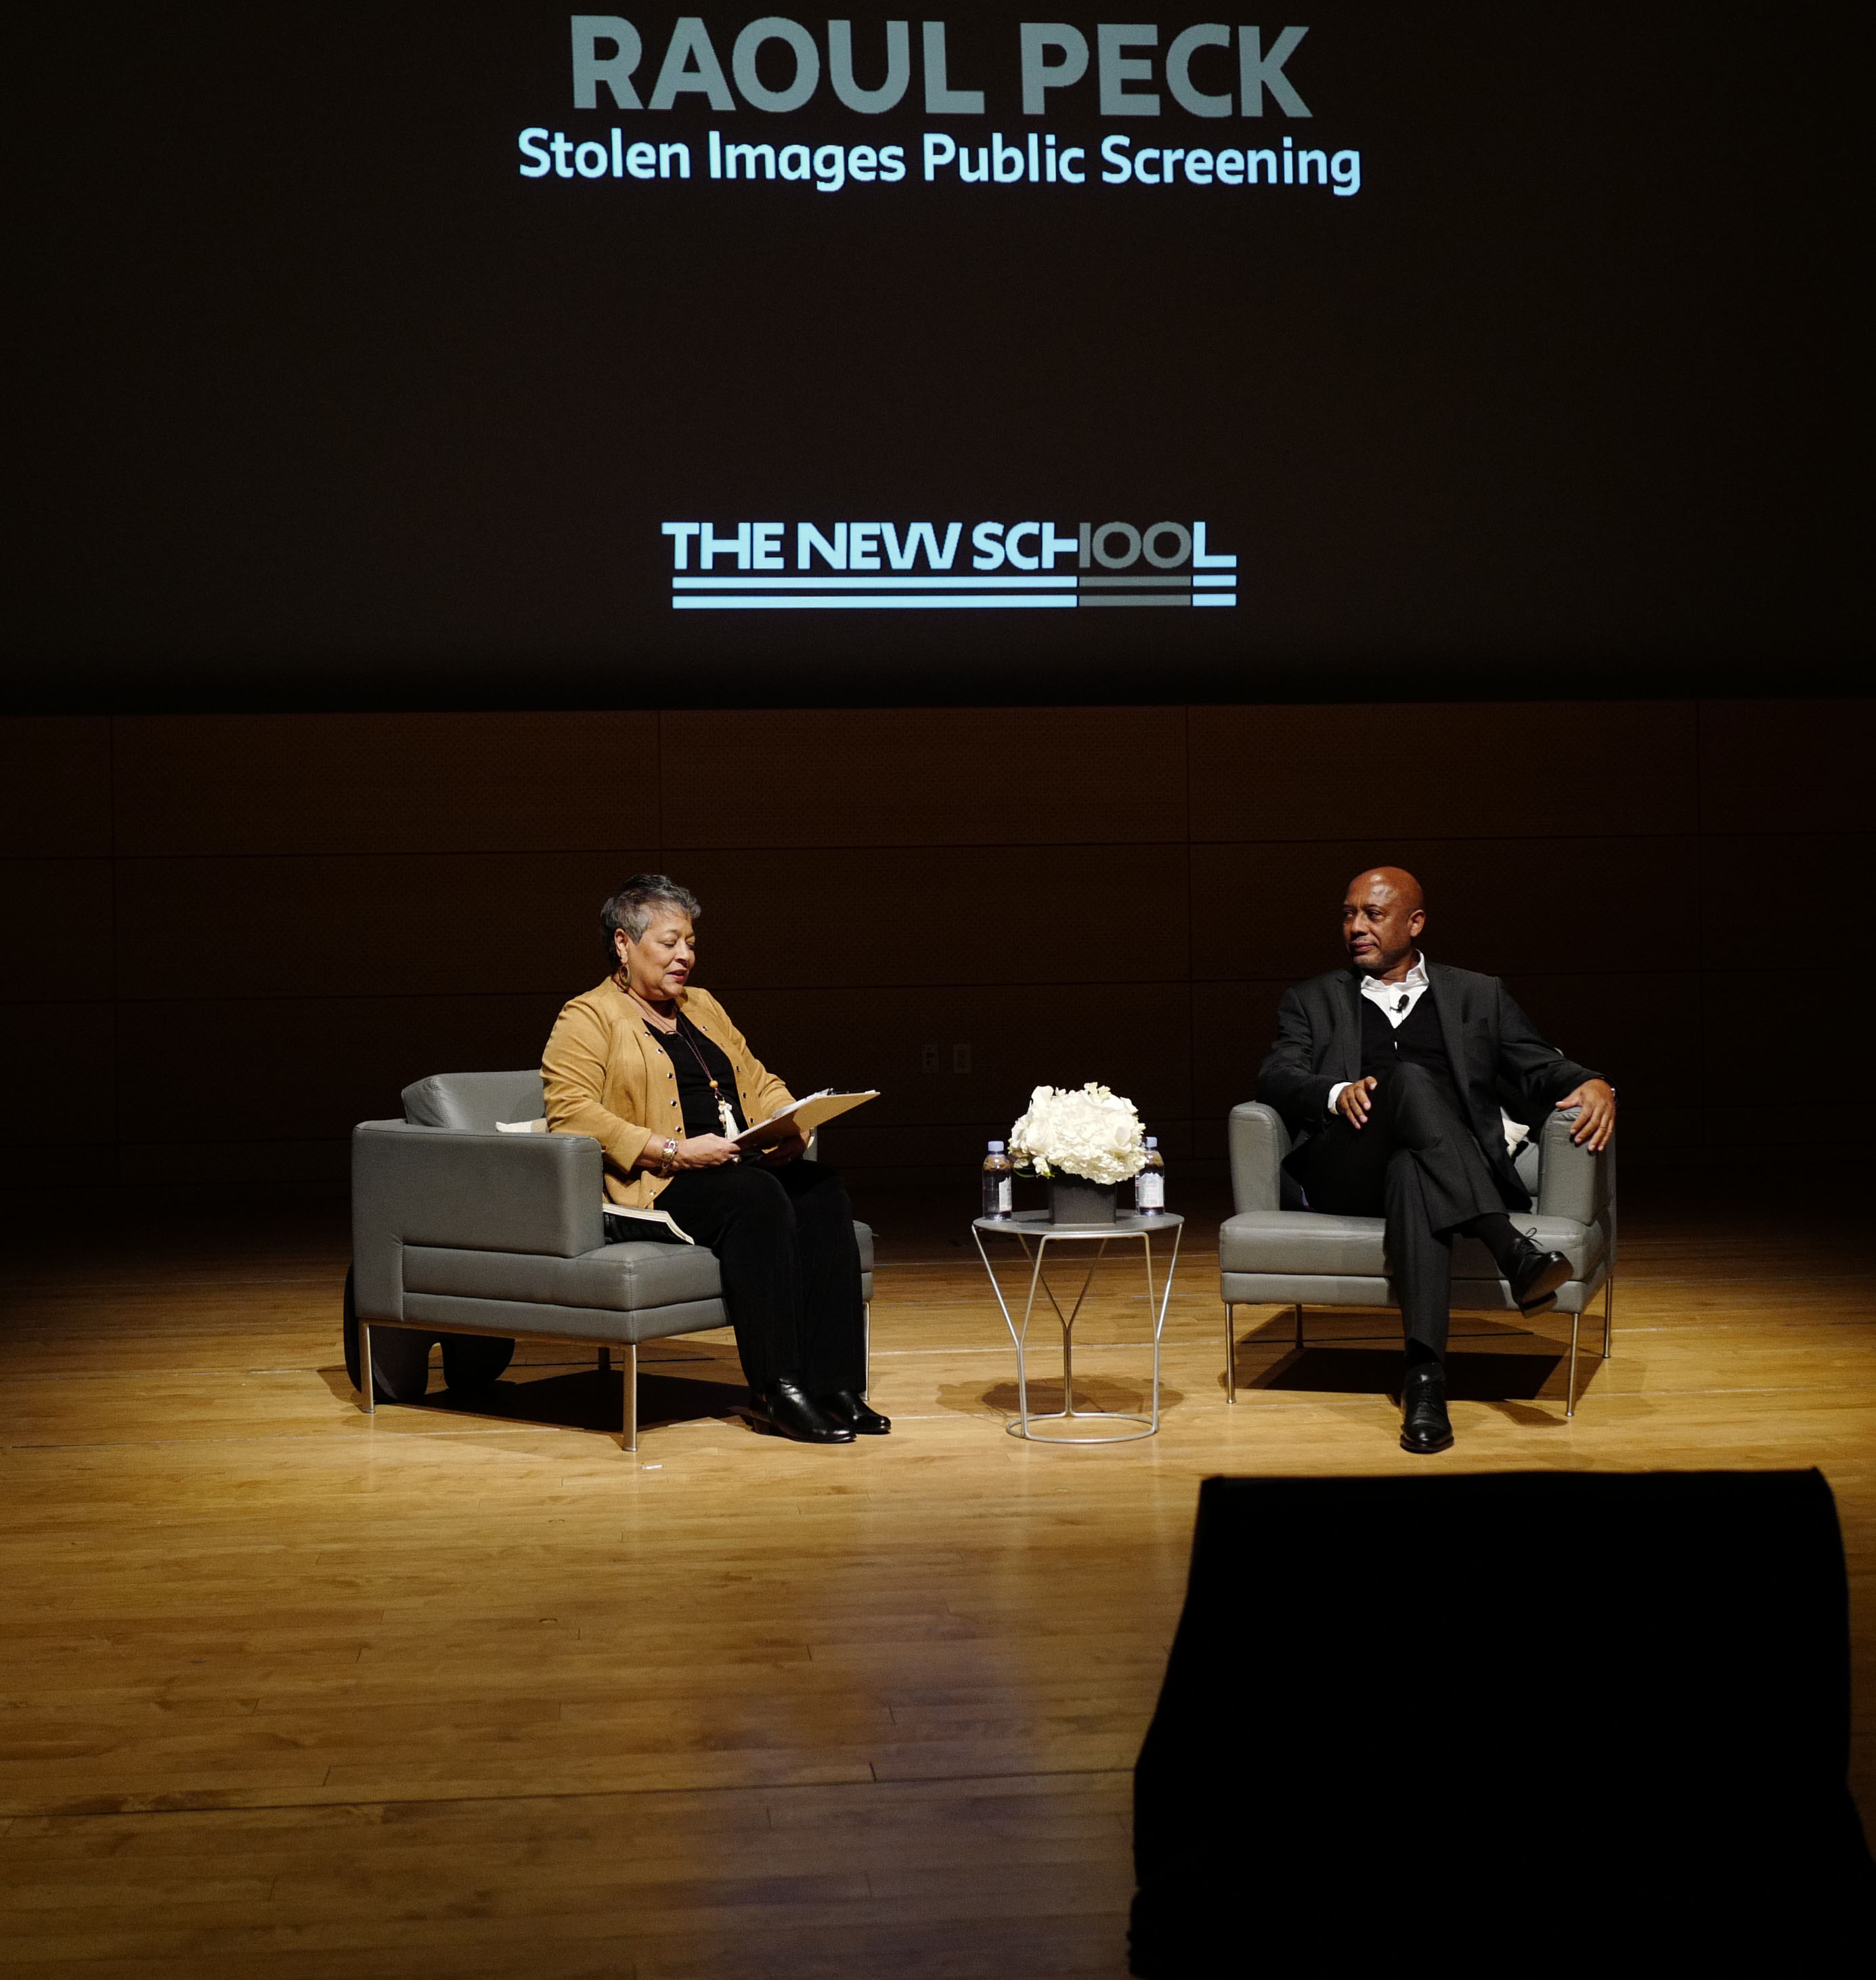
631,908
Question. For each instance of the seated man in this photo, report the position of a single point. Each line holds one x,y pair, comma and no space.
1388,1075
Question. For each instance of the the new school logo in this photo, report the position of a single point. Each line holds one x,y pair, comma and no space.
915,566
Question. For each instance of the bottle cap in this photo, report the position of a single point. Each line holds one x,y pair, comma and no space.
996,1147
1153,1141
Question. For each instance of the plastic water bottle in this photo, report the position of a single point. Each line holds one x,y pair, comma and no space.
999,1172
1149,1184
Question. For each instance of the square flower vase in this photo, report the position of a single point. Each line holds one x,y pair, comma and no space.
1074,1199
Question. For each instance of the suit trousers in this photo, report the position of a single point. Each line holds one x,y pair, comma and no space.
790,1264
1417,1164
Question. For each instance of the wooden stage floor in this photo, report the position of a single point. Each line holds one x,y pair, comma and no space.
466,1691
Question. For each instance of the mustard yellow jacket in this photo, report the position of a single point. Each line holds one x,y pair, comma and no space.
607,1076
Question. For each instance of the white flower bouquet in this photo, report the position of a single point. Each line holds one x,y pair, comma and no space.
1093,1134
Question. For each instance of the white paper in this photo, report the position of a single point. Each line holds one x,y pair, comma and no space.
663,1217
804,1116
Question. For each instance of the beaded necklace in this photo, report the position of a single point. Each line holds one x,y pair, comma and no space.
724,1112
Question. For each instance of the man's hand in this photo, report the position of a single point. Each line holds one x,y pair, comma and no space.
705,1152
784,1152
1352,1103
1597,1123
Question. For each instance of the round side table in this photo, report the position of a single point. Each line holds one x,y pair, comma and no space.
1034,1233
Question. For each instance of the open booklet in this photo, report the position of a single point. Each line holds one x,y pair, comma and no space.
803,1117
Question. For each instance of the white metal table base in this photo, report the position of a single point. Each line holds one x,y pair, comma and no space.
1030,1225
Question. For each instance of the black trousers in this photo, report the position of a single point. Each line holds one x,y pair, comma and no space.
791,1268
1417,1164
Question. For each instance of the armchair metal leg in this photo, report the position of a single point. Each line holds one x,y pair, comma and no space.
1230,1354
1576,1319
367,1388
631,1396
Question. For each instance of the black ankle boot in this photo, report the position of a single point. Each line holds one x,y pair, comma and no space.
1425,1426
859,1417
788,1410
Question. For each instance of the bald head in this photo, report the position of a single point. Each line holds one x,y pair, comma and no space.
1383,914
1394,880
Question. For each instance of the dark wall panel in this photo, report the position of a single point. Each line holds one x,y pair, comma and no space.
1784,898
227,939
991,915
55,790
293,1069
1467,770
1020,1036
1233,1025
1638,1028
58,921
399,925
933,776
1784,766
242,784
61,1118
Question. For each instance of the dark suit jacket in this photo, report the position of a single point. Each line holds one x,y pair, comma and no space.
1497,1057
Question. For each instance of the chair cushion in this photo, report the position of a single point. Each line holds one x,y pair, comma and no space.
1302,1241
526,1320
474,1100
620,1278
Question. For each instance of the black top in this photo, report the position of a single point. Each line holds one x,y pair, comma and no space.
696,1101
1414,1041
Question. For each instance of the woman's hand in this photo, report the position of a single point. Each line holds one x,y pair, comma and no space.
790,1150
705,1152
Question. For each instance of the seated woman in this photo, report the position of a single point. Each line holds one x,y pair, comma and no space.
657,1074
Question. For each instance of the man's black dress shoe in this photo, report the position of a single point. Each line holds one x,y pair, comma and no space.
1534,1277
1425,1426
790,1411
846,1407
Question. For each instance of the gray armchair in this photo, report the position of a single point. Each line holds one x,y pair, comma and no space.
1270,1256
476,1238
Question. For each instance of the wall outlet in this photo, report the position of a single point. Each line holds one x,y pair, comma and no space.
961,1058
928,1058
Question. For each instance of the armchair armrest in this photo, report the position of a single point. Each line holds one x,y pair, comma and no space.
440,1186
1259,1142
1571,1181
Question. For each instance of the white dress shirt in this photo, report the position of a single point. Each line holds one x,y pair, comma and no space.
1396,1002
